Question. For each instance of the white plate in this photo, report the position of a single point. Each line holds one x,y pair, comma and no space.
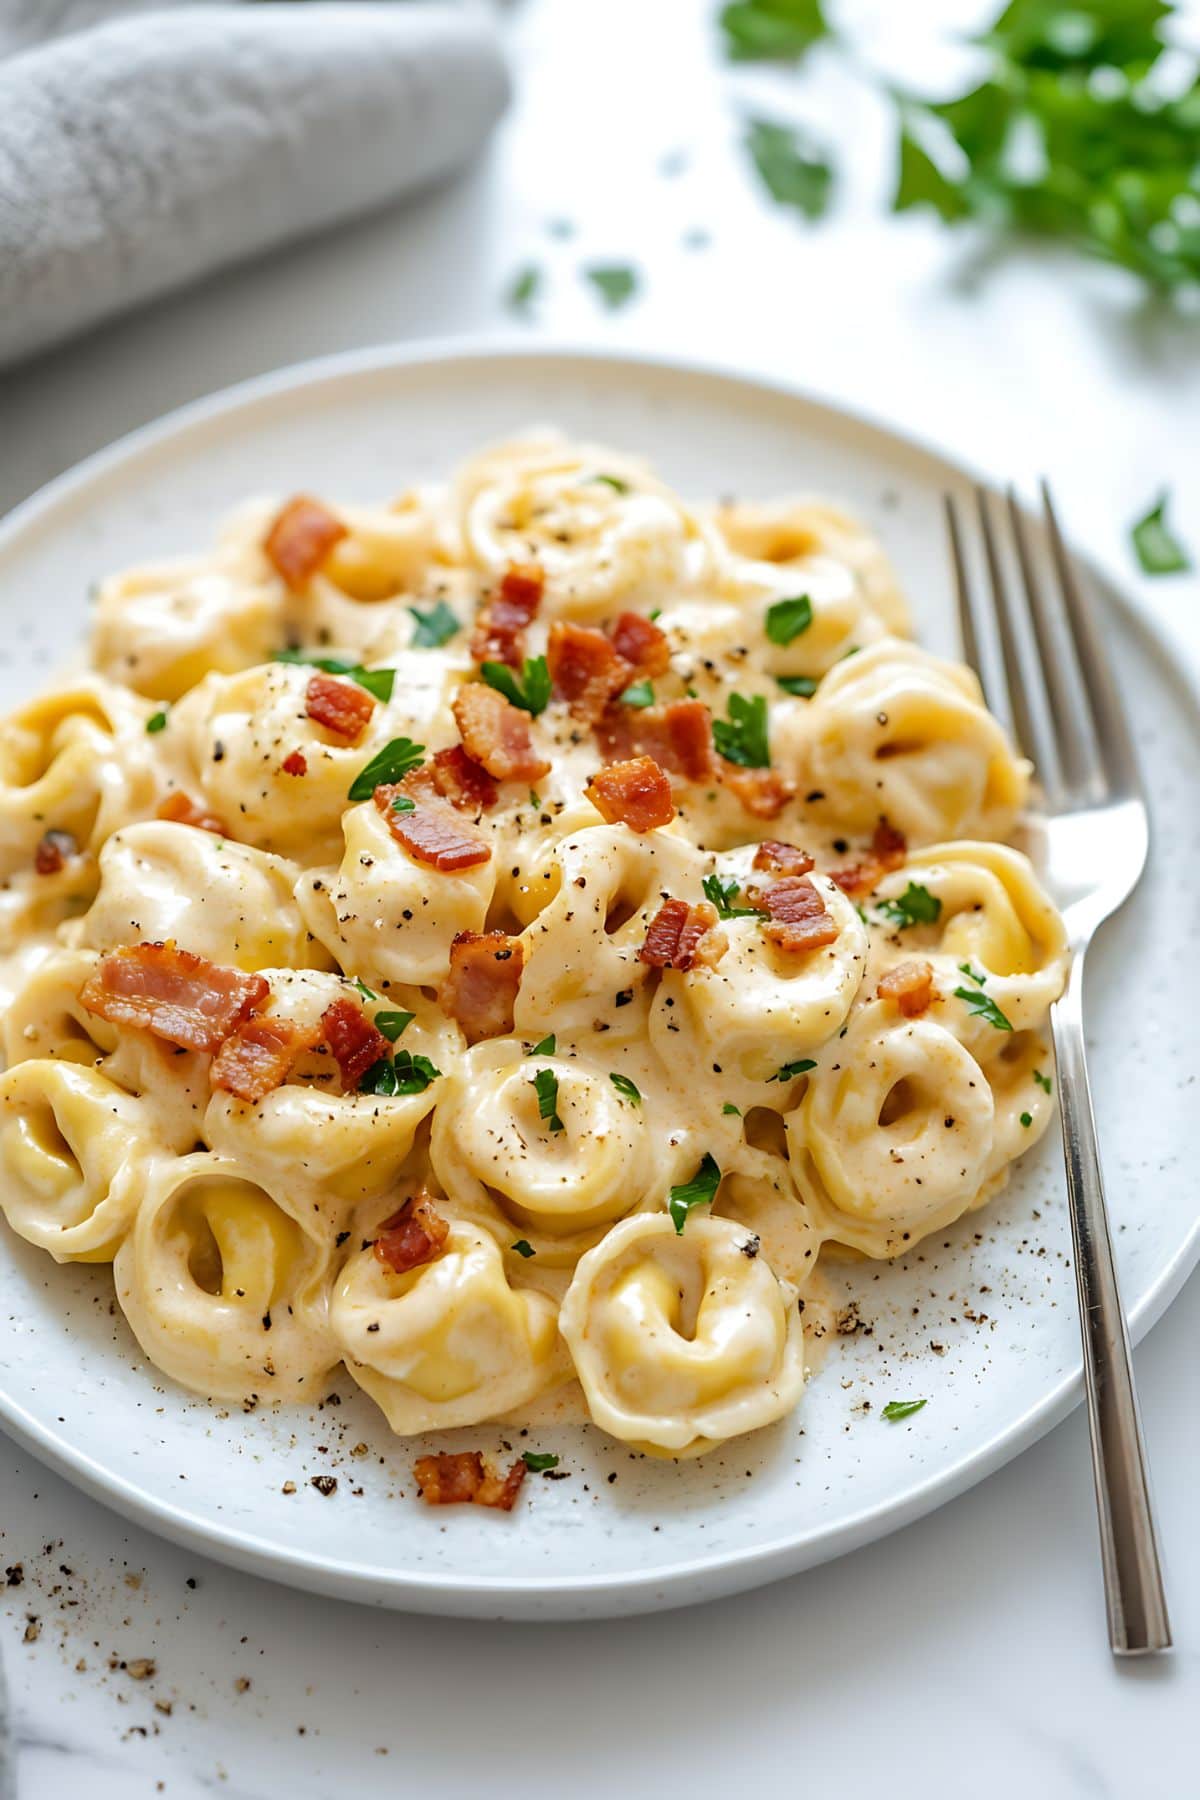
621,1534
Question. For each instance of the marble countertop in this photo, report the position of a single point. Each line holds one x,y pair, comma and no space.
968,1652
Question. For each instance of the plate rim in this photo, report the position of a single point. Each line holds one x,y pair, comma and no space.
632,1590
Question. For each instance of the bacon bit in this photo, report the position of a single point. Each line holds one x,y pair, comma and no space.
496,733
782,859
678,736
179,809
454,1477
485,973
340,706
499,634
585,668
674,933
799,920
910,985
761,791
432,832
178,996
357,1046
462,781
257,1058
636,793
296,763
52,852
301,538
639,642
412,1236
888,851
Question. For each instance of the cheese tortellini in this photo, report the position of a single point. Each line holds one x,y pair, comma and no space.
500,942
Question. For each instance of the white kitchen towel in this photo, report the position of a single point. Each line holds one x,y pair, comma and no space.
146,151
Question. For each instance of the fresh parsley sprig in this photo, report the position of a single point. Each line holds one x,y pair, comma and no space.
981,1005
742,738
802,687
530,690
721,894
391,764
435,626
638,693
916,906
699,1191
786,619
545,1086
627,1089
399,1075
377,682
791,1070
1157,548
903,1409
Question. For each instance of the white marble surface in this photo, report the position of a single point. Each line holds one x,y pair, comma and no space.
966,1654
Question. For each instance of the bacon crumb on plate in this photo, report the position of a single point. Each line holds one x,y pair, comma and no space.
341,707
458,1477
180,809
430,830
635,793
355,1042
888,851
178,996
257,1057
674,933
300,540
910,985
499,634
481,991
798,919
412,1236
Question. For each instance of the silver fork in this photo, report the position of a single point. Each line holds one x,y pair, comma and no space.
1057,692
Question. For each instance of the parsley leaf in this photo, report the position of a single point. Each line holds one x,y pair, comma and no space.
1158,549
721,893
699,1191
545,1086
390,764
535,800
742,738
803,686
638,693
766,30
970,974
1027,1120
788,618
1043,1081
791,1070
616,283
628,1090
157,721
436,626
903,1409
393,1024
983,1006
614,482
537,1460
523,1247
530,690
794,168
404,803
366,992
401,1074
916,906
547,1046
729,1107
523,289
378,682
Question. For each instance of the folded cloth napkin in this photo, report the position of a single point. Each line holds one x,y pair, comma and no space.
142,152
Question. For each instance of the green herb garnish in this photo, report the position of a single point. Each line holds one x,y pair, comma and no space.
699,1191
378,682
388,765
366,992
404,803
794,168
523,289
547,1046
435,626
729,1107
742,738
721,893
916,906
628,1090
614,482
788,618
545,1086
772,30
970,974
1158,549
802,686
523,1247
401,1074
791,1070
530,690
156,722
903,1409
638,693
1027,1120
983,1007
616,283
537,1460
393,1024
1043,1081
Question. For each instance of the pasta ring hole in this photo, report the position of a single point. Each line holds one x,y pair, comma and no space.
899,1103
621,908
204,1261
41,1124
765,1130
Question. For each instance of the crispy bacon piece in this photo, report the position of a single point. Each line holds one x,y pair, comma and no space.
887,852
636,793
178,996
496,733
910,985
301,538
481,991
257,1058
585,668
295,764
180,809
455,1477
678,735
432,832
461,780
782,859
412,1236
674,933
52,852
357,1046
798,917
340,706
762,792
499,634
639,642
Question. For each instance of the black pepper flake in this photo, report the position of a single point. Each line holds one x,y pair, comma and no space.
624,997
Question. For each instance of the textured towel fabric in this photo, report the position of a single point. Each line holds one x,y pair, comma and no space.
24,23
146,152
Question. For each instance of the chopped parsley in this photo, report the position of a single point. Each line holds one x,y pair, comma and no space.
523,288
1043,1081
771,30
547,1047
722,894
390,764
916,906
983,1006
793,166
366,992
538,1460
1027,1120
729,1107
903,1409
530,690
616,283
545,1086
699,1191
435,626
791,1070
802,686
1158,550
523,1247
157,721
742,738
638,693
404,803
628,1090
970,974
788,618
393,1024
378,682
535,800
614,482
400,1074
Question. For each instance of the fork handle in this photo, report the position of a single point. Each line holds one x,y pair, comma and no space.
1137,1606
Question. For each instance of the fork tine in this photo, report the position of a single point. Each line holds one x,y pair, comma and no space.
1026,691
1112,742
1061,684
968,619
